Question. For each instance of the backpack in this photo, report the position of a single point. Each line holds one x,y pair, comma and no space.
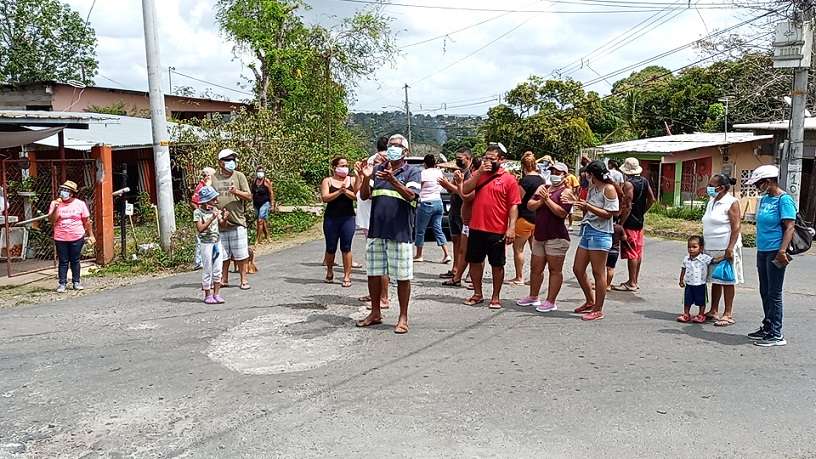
802,237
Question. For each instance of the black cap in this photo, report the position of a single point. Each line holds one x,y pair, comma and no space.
596,168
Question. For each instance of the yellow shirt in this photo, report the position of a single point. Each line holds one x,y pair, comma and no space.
572,181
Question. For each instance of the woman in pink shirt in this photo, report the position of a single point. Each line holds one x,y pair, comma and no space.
71,221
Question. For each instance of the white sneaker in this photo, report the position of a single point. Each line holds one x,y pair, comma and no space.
547,307
61,288
78,286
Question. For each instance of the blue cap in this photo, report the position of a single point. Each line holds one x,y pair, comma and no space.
207,194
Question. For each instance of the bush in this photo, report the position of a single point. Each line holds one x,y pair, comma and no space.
293,191
748,240
693,213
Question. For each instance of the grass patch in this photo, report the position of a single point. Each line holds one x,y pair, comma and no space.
660,225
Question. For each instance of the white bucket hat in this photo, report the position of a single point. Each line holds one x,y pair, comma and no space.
631,166
763,172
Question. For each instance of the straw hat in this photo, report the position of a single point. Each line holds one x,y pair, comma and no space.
70,186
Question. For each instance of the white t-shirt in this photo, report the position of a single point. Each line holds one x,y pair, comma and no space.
616,176
696,269
431,189
717,225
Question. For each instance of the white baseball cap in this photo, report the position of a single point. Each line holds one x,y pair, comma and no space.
763,172
226,153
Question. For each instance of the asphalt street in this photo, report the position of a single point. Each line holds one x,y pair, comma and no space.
281,371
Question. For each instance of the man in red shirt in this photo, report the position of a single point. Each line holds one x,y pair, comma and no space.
493,223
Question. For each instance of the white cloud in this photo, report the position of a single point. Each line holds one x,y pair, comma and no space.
190,41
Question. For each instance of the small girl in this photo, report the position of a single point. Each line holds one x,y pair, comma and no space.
693,277
207,217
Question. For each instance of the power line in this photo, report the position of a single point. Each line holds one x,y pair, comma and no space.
212,84
445,35
629,7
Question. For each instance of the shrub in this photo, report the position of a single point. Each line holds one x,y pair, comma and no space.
293,191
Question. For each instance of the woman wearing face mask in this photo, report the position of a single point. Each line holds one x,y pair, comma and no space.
601,206
551,205
263,200
530,183
721,233
71,221
430,210
775,220
339,191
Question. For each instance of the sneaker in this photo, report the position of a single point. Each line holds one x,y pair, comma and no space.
759,334
61,288
529,301
219,299
78,286
770,341
211,300
547,307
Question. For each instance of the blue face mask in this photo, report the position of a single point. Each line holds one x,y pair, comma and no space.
711,190
64,194
229,165
394,153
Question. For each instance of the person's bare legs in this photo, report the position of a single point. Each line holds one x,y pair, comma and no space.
537,265
518,259
461,260
375,285
456,241
346,266
476,274
729,291
634,272
225,272
404,297
556,277
579,267
216,288
265,228
418,252
258,231
498,280
444,248
242,270
716,294
386,283
598,260
328,260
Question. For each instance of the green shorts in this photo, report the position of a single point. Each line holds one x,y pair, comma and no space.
390,258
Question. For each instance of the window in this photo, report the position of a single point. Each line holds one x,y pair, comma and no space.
747,191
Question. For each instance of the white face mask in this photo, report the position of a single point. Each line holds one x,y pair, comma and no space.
260,175
64,194
556,180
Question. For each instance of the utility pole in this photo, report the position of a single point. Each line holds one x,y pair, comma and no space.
408,116
161,140
170,77
792,166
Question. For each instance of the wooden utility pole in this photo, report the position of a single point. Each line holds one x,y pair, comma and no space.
408,116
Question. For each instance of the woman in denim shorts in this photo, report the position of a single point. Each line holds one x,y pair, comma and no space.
601,206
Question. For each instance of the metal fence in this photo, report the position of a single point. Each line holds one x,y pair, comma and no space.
28,187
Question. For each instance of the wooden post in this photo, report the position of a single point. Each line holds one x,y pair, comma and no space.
103,204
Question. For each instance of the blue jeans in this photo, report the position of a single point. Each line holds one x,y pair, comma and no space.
68,253
771,279
429,212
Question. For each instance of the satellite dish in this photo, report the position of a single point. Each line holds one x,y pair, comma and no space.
76,84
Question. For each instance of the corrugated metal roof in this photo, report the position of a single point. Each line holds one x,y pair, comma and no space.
682,142
123,133
782,125
19,116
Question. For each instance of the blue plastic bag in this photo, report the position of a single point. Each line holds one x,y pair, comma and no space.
723,272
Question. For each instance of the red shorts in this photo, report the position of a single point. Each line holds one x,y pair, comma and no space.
633,248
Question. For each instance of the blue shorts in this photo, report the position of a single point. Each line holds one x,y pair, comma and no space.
695,295
263,211
592,239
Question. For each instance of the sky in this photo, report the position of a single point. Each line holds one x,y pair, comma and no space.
462,73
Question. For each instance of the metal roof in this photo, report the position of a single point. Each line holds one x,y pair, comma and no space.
78,120
669,144
126,132
782,125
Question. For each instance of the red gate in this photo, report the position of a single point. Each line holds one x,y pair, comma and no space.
28,187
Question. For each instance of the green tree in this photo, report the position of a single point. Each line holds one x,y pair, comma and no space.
45,40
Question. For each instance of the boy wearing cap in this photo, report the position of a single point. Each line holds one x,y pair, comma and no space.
207,217
233,188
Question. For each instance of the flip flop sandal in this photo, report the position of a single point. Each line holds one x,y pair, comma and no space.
624,287
452,283
698,319
725,322
364,299
711,318
586,307
474,300
364,324
346,284
518,283
382,306
328,280
401,329
245,286
495,306
684,318
447,275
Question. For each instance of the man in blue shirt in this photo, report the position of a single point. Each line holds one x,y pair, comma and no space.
389,249
775,219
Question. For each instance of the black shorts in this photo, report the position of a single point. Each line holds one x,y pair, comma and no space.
612,259
456,224
695,295
482,244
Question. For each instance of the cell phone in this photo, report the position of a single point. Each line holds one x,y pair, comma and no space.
776,263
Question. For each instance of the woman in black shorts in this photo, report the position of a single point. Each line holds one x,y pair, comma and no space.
339,191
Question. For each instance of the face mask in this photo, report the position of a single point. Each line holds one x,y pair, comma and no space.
556,180
260,175
394,153
460,163
342,171
711,190
229,165
65,194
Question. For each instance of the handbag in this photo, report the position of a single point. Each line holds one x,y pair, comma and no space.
723,272
802,237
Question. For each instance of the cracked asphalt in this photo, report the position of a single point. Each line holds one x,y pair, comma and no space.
280,371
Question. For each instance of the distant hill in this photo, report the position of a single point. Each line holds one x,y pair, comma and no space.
429,132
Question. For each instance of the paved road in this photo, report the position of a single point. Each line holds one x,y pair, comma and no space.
280,371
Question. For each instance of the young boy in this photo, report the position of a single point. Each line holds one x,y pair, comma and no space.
207,217
693,278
